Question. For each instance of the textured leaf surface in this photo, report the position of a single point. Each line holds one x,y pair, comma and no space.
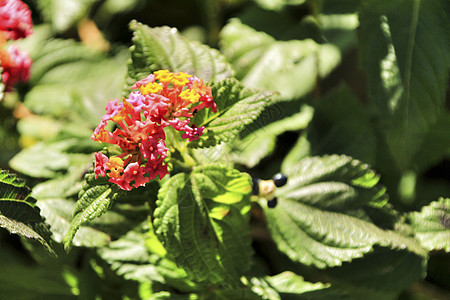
405,52
290,67
94,199
164,48
432,225
237,107
336,183
18,213
203,222
139,256
288,285
342,188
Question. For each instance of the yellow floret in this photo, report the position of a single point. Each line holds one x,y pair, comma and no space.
163,76
150,88
115,165
180,78
190,95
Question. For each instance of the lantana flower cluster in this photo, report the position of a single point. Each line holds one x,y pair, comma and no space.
161,99
15,23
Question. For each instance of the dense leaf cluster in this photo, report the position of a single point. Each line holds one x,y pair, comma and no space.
359,217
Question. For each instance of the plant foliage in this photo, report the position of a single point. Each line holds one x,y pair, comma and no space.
346,99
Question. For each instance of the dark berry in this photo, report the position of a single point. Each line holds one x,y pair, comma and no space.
272,203
255,185
279,179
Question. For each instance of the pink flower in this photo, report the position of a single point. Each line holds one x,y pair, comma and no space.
156,168
163,99
15,19
134,172
16,66
100,164
192,133
144,81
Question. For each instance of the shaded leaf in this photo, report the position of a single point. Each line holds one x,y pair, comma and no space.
405,52
23,281
18,213
342,125
381,274
261,142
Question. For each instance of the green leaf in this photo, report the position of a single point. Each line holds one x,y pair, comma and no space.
24,281
18,213
405,52
342,125
202,220
290,67
278,4
70,80
45,160
65,15
288,285
381,274
300,150
49,54
236,107
432,225
261,142
321,215
336,183
132,257
58,213
94,199
164,48
291,283
436,146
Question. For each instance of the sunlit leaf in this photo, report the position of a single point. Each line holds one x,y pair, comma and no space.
237,107
290,67
432,225
210,244
164,48
316,221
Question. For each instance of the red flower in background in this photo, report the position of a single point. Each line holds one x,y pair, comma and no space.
15,23
15,19
16,66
